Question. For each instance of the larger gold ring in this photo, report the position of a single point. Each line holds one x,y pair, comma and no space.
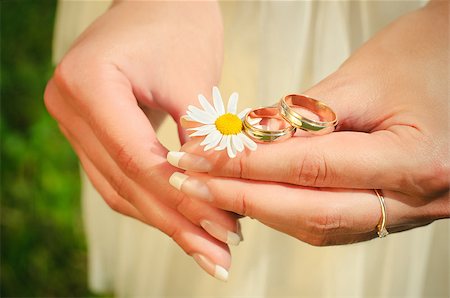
292,105
381,227
266,125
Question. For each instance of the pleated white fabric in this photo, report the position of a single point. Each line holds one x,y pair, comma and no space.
271,48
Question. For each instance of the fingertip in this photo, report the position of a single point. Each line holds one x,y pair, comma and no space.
188,161
177,180
173,157
210,267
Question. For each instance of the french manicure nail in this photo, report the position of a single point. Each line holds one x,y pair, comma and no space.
220,233
188,161
215,270
173,157
191,186
177,180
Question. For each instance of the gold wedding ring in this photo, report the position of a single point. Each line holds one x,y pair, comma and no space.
279,122
381,227
293,108
266,125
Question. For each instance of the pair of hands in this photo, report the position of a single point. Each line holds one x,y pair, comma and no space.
390,97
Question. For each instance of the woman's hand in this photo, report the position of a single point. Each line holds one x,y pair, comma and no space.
392,100
143,55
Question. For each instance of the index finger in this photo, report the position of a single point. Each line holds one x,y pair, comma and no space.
341,159
107,101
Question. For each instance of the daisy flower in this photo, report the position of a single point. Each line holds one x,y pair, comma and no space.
221,129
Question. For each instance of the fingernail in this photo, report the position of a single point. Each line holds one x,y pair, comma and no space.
177,180
184,121
188,161
190,186
220,233
239,230
215,270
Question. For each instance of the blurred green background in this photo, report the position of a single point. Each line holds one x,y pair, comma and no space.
43,251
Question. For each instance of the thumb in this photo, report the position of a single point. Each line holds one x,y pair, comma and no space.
353,102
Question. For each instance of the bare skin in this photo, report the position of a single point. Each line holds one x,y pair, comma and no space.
391,97
142,56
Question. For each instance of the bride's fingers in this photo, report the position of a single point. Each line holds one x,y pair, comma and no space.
220,224
304,207
318,239
213,256
111,197
341,159
375,155
317,216
107,103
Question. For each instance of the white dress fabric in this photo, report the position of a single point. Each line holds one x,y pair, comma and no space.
271,49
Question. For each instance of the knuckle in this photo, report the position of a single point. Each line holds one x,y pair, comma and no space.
311,170
427,181
326,223
127,162
114,202
334,239
177,234
234,167
63,74
174,232
240,167
245,167
60,91
182,203
54,103
120,185
435,180
242,204
320,241
313,239
428,175
231,167
73,78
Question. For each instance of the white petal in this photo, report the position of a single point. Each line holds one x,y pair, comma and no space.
242,114
204,114
218,103
213,142
203,127
211,137
203,132
254,121
232,103
237,143
230,148
223,144
249,143
199,118
207,106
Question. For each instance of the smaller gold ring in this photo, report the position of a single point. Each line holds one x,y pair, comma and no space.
327,119
381,227
260,131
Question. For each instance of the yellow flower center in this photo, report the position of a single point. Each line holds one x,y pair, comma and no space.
229,124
